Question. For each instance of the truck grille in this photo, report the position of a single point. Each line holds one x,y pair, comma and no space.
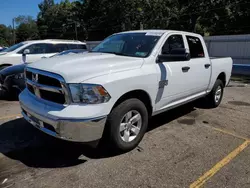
47,86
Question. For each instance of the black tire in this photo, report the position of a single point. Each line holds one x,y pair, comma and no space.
3,93
211,100
5,88
114,120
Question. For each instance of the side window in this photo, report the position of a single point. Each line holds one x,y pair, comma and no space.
173,42
77,46
55,48
82,46
36,49
195,47
73,46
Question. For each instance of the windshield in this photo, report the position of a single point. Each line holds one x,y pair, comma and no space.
129,44
14,47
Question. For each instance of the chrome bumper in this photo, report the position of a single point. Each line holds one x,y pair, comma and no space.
76,130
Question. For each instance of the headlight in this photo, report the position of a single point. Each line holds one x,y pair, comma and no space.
88,93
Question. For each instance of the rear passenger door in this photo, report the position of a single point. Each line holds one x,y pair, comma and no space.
200,65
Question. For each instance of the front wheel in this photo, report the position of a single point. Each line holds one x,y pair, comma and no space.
127,124
3,92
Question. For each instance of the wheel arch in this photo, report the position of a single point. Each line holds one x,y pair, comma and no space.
222,77
5,65
139,94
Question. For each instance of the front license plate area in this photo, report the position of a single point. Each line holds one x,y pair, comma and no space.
36,121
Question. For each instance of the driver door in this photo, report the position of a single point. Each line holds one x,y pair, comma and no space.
175,76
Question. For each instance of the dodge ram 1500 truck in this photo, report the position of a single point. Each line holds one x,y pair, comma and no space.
113,90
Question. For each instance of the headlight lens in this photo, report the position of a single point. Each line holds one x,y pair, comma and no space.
88,93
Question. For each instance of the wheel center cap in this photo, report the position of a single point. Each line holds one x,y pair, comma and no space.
129,126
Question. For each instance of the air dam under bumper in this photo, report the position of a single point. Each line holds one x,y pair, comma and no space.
76,130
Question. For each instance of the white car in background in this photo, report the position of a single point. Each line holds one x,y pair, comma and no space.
36,49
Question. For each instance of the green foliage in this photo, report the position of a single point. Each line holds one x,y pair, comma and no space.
5,35
56,20
26,28
96,19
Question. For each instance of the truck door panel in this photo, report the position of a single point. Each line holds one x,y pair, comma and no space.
200,65
174,80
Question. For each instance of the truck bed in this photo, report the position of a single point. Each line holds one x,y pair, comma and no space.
220,65
217,57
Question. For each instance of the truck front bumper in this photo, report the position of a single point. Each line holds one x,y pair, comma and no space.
70,129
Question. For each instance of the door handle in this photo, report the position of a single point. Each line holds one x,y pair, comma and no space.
207,66
185,69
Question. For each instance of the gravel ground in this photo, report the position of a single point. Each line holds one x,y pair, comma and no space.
180,146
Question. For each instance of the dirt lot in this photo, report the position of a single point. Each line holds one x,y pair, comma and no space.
185,147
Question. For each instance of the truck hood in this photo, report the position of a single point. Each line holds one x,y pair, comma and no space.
81,67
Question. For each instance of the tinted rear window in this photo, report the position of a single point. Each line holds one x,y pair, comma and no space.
55,48
195,47
82,46
77,46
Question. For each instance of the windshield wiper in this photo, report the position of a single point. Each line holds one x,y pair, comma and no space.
116,53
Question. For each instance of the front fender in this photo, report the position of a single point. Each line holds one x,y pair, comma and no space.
120,83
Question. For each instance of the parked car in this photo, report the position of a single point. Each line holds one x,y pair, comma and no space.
12,78
127,78
2,48
36,50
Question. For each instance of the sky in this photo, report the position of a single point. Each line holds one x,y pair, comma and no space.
13,8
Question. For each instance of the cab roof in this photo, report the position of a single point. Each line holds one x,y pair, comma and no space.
55,41
159,31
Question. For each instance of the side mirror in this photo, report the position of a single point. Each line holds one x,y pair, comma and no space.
177,54
26,51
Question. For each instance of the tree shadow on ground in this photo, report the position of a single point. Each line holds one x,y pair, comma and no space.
21,141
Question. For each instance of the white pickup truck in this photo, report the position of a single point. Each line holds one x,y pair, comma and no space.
113,90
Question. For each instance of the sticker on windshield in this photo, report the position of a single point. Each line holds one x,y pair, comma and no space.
154,34
142,54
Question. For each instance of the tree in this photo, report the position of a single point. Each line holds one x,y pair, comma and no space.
57,20
96,19
160,14
5,35
44,17
211,17
26,28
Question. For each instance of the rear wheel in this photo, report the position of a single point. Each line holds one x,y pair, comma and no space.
127,124
215,96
